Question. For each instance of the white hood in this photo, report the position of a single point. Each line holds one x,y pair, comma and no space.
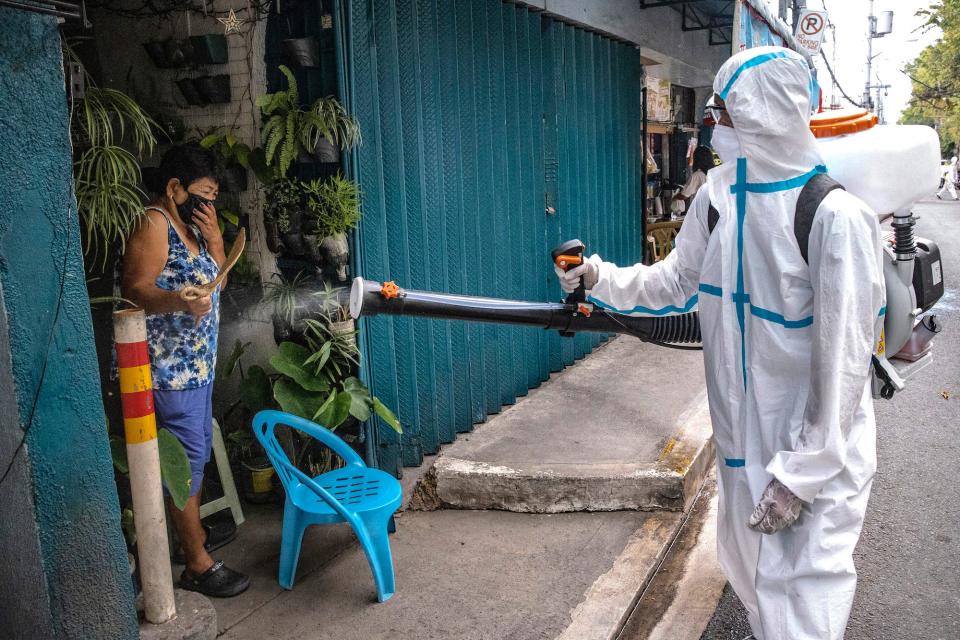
768,94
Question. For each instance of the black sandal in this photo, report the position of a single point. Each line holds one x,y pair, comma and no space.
218,535
219,581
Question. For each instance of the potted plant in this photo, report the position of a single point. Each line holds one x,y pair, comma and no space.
301,52
337,322
106,175
289,299
158,53
288,130
179,52
210,48
282,216
338,211
334,130
191,92
215,89
235,156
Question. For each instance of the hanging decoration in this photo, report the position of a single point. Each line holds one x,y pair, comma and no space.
231,23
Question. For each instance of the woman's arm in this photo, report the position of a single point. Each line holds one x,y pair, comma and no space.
143,260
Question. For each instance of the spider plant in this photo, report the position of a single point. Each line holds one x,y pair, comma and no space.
106,175
286,296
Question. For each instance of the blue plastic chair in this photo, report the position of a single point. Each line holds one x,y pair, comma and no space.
364,497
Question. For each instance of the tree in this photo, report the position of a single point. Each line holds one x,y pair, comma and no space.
935,73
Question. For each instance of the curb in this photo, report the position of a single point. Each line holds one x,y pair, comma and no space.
668,484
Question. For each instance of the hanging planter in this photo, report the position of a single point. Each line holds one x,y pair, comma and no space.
210,48
326,151
336,256
216,89
191,93
179,52
158,54
272,237
301,52
233,179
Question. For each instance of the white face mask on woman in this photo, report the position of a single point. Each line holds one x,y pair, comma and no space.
725,142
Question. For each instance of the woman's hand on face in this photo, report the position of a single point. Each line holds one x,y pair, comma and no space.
205,217
199,307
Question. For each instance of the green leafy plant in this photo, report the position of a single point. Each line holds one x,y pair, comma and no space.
223,141
333,123
334,202
330,306
287,296
279,197
288,129
174,464
106,174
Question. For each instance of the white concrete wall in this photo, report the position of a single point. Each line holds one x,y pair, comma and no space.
683,58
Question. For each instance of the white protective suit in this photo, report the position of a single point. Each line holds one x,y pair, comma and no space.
787,348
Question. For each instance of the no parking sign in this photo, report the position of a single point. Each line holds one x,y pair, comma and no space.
810,29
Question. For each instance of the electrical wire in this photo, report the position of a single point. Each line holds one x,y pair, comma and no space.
46,360
834,77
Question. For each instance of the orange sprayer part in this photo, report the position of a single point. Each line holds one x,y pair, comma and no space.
564,261
837,123
390,290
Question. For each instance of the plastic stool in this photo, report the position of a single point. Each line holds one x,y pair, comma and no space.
230,499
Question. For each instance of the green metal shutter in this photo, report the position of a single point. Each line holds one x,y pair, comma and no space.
476,116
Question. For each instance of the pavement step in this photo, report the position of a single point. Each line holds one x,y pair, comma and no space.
626,428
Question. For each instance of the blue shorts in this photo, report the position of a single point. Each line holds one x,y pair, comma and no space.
188,415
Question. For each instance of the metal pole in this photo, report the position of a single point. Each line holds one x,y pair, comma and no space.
871,28
143,455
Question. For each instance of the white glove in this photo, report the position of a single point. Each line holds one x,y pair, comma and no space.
570,280
778,509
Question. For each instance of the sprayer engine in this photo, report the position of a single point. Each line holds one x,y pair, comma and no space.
913,274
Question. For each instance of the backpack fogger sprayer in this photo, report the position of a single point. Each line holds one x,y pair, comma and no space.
912,270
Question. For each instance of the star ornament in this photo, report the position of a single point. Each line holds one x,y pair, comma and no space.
231,23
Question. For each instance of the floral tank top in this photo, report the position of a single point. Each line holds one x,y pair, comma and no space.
183,352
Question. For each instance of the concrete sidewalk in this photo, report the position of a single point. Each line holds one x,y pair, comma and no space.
622,437
625,428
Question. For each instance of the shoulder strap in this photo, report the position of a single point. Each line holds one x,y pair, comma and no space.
808,202
162,212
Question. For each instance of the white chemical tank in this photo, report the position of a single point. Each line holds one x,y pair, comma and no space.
889,167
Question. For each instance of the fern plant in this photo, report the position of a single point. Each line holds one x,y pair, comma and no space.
288,129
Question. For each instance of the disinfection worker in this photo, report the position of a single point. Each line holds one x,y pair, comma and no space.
787,348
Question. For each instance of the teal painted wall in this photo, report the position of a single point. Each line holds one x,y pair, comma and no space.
475,116
51,352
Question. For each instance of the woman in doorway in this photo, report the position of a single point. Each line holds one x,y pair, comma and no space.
176,243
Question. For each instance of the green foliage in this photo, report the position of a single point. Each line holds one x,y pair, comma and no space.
106,174
288,129
935,99
279,197
224,143
287,296
174,464
334,202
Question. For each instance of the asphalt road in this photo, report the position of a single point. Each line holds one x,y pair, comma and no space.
909,552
